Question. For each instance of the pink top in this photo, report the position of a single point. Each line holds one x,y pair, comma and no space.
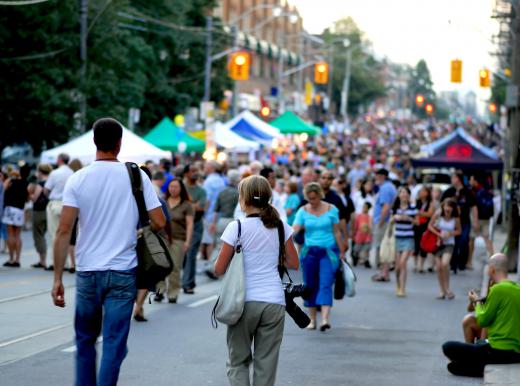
363,229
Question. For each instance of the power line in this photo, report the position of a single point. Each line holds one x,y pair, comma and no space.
36,56
22,2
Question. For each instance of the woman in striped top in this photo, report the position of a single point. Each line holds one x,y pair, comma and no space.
405,217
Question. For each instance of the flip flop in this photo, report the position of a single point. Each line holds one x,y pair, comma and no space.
38,265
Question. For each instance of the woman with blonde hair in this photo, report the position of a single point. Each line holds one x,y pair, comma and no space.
321,253
264,310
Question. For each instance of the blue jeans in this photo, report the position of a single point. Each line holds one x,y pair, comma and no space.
461,250
319,273
104,301
190,260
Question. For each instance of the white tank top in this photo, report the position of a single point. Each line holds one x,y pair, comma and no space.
447,226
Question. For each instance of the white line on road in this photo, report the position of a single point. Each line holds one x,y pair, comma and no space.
34,335
73,348
202,302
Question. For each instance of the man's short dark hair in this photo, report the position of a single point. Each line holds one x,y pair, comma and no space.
107,134
158,176
265,172
383,172
64,157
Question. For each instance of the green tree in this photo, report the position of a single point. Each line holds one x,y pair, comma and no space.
365,83
421,84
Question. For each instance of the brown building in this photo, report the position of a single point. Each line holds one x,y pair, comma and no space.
267,29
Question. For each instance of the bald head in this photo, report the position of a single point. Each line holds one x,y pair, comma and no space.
499,262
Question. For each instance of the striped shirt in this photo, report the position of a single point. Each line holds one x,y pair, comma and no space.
404,228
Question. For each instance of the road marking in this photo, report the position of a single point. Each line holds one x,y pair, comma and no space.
29,295
73,348
202,301
34,335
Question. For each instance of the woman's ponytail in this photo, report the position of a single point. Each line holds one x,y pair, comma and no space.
269,216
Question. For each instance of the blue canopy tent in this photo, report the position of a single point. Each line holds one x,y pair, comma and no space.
458,150
252,128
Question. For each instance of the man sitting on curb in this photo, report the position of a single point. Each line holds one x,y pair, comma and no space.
500,315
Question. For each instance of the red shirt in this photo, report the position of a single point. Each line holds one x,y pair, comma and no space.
363,229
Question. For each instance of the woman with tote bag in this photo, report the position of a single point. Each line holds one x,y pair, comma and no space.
264,311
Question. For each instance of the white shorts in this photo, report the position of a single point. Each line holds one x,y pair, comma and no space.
13,216
207,237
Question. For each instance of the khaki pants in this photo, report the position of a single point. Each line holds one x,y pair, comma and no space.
262,323
53,219
39,228
173,281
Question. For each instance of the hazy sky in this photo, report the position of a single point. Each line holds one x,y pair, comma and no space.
408,30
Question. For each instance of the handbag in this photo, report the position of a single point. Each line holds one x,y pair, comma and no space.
349,277
154,261
429,242
339,284
232,295
387,249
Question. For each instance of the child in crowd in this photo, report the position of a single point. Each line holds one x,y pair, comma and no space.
363,234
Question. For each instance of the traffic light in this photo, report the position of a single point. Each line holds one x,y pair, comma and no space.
492,108
429,109
265,111
419,100
239,65
456,71
485,77
321,73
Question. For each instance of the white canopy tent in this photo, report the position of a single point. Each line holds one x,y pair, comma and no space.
230,140
133,148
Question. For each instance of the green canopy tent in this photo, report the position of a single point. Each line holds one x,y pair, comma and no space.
290,123
167,136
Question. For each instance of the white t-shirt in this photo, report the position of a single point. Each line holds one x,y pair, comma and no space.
56,182
108,215
260,247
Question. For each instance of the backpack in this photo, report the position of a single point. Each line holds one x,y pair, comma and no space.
485,205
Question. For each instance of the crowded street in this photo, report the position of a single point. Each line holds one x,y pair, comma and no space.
376,337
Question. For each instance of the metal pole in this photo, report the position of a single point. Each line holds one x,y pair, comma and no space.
234,34
281,106
83,12
207,67
329,85
346,85
301,53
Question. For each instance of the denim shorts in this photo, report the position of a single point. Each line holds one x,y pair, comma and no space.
404,244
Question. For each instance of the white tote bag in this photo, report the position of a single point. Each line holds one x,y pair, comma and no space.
232,295
350,279
387,249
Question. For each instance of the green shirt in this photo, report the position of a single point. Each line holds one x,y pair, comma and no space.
197,195
501,316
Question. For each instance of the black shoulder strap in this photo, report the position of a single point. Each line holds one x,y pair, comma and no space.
239,242
282,270
137,190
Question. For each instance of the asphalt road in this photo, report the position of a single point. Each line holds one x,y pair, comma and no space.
376,338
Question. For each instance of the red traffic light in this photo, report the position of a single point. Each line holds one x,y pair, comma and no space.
419,99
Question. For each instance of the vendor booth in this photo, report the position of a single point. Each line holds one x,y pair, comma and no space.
290,123
168,136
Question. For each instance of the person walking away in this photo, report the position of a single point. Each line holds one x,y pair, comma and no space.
446,225
75,165
39,215
293,202
468,215
101,195
54,191
383,205
181,215
198,202
426,210
486,211
499,315
213,185
363,235
405,217
227,200
321,252
15,197
264,313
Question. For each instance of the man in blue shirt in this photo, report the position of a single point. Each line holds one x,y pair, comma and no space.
213,185
384,201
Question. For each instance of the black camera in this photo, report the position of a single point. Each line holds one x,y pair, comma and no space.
296,290
296,313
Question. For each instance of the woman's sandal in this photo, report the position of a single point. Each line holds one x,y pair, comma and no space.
450,296
325,327
441,297
311,326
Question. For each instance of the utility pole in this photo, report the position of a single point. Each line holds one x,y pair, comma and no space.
234,98
83,19
513,160
301,54
281,104
346,85
207,67
331,70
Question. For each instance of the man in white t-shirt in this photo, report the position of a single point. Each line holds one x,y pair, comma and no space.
100,195
53,189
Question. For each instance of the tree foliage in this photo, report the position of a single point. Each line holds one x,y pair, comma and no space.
421,83
365,83
137,57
